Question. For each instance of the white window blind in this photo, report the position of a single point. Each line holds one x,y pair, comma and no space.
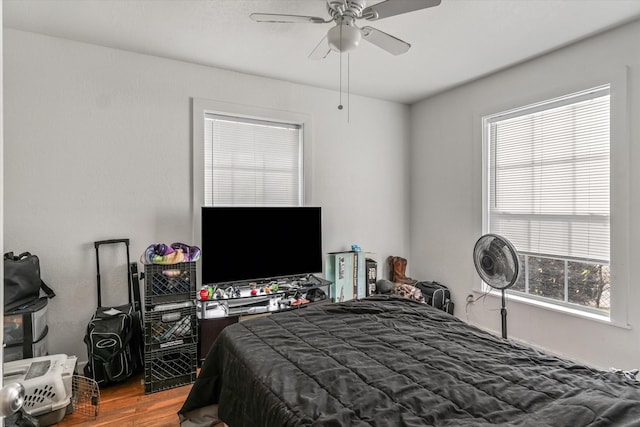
252,162
549,176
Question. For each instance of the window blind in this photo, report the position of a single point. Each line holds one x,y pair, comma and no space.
549,176
252,162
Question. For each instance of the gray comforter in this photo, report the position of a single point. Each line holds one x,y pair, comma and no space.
387,361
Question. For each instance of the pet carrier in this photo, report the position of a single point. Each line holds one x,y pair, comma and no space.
47,381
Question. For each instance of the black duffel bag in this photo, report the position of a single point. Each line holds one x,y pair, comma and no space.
437,295
22,282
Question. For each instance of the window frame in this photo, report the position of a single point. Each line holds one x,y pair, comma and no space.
526,112
619,188
200,107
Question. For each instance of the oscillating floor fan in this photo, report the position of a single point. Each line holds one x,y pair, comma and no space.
498,265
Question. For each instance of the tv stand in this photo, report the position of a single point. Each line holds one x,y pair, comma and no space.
237,301
260,296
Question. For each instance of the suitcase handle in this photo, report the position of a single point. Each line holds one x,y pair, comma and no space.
110,241
99,243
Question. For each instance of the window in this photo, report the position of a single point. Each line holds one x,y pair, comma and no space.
245,171
547,176
251,162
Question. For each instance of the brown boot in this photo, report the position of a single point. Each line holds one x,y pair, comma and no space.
391,261
399,269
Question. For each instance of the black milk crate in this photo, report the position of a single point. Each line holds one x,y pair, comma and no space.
170,368
166,283
170,328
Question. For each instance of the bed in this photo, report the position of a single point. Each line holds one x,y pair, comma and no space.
390,361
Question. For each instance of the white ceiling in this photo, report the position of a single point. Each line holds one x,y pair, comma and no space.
455,42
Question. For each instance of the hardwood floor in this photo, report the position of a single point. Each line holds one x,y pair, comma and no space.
126,405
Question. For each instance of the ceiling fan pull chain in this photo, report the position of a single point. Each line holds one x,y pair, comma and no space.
340,78
340,75
348,85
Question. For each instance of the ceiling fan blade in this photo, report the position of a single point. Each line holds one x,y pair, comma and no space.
321,50
385,41
293,19
389,8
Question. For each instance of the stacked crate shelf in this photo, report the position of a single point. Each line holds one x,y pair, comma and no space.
170,322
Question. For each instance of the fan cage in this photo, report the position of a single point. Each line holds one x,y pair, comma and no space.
507,264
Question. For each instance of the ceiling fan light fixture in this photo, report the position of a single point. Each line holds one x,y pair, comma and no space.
343,38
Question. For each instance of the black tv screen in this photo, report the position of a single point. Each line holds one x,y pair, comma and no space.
259,243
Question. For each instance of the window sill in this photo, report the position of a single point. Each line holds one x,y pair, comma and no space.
557,308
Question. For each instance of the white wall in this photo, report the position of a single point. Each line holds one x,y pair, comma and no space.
98,146
446,204
1,187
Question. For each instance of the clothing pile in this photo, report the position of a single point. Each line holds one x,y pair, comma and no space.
175,253
403,285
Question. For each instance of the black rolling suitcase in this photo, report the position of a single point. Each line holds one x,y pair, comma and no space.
436,295
114,340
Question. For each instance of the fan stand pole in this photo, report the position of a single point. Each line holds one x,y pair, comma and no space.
503,312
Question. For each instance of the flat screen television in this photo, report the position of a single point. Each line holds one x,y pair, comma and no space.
260,243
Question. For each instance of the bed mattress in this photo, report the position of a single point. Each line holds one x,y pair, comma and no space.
388,361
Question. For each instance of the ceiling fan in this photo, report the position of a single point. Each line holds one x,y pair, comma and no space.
346,35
